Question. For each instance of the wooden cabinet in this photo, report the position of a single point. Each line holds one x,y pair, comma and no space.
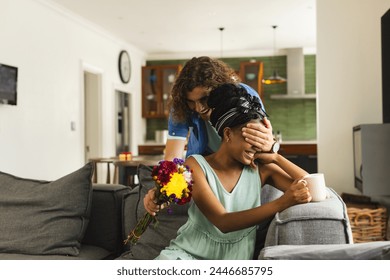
157,82
251,73
151,149
303,155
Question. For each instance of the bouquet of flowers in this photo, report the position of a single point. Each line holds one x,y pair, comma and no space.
173,182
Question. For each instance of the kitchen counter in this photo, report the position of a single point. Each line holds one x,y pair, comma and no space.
153,143
300,142
298,148
302,153
151,148
286,148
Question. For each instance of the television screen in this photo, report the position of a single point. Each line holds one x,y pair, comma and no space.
8,84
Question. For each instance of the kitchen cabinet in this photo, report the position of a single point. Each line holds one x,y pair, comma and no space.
157,82
151,149
251,73
303,155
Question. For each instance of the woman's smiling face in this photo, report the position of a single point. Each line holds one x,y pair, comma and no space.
239,148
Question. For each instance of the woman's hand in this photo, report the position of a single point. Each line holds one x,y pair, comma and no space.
259,135
265,158
298,192
150,204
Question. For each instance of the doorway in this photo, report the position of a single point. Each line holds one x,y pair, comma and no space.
92,115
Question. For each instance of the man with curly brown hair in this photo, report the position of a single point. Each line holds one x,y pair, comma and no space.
189,114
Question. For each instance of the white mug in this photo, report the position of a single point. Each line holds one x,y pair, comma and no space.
316,185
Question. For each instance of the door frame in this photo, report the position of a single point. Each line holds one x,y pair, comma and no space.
98,137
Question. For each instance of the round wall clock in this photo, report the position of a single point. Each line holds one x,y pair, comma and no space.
124,66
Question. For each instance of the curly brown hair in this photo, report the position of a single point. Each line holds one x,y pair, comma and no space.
198,72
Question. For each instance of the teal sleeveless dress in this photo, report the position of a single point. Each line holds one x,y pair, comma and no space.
199,239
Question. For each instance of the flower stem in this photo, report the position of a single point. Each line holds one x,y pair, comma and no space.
139,229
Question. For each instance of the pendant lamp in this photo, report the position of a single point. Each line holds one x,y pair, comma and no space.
275,78
221,29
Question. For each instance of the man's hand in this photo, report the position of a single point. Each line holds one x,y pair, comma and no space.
259,135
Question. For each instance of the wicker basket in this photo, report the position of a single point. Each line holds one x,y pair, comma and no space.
368,224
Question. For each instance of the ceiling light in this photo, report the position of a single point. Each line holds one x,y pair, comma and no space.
275,78
221,29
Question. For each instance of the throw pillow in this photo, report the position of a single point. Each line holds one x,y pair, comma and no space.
41,217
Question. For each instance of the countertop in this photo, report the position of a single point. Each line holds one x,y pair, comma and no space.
295,142
152,143
299,142
304,147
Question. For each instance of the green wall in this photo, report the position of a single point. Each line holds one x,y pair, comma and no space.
294,118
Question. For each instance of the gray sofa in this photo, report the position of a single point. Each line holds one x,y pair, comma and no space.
72,219
67,219
318,230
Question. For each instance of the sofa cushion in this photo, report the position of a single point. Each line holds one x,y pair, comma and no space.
379,250
156,237
41,217
87,252
105,224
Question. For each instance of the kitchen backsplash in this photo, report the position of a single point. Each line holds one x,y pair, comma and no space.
294,118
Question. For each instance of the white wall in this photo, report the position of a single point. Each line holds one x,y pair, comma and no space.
349,81
49,47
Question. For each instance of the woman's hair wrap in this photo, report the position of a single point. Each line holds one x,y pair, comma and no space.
233,106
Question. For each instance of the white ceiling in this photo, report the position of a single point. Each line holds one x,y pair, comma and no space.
162,28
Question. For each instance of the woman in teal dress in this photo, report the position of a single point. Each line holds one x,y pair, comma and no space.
226,192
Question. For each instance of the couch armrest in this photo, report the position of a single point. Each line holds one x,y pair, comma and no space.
324,222
269,193
105,225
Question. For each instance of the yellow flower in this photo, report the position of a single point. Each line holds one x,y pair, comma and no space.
178,183
175,186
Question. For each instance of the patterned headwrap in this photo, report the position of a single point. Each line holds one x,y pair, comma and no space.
248,107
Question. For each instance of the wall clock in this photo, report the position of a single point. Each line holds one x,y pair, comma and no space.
124,66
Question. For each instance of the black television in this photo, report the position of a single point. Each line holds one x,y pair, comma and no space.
371,156
8,84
